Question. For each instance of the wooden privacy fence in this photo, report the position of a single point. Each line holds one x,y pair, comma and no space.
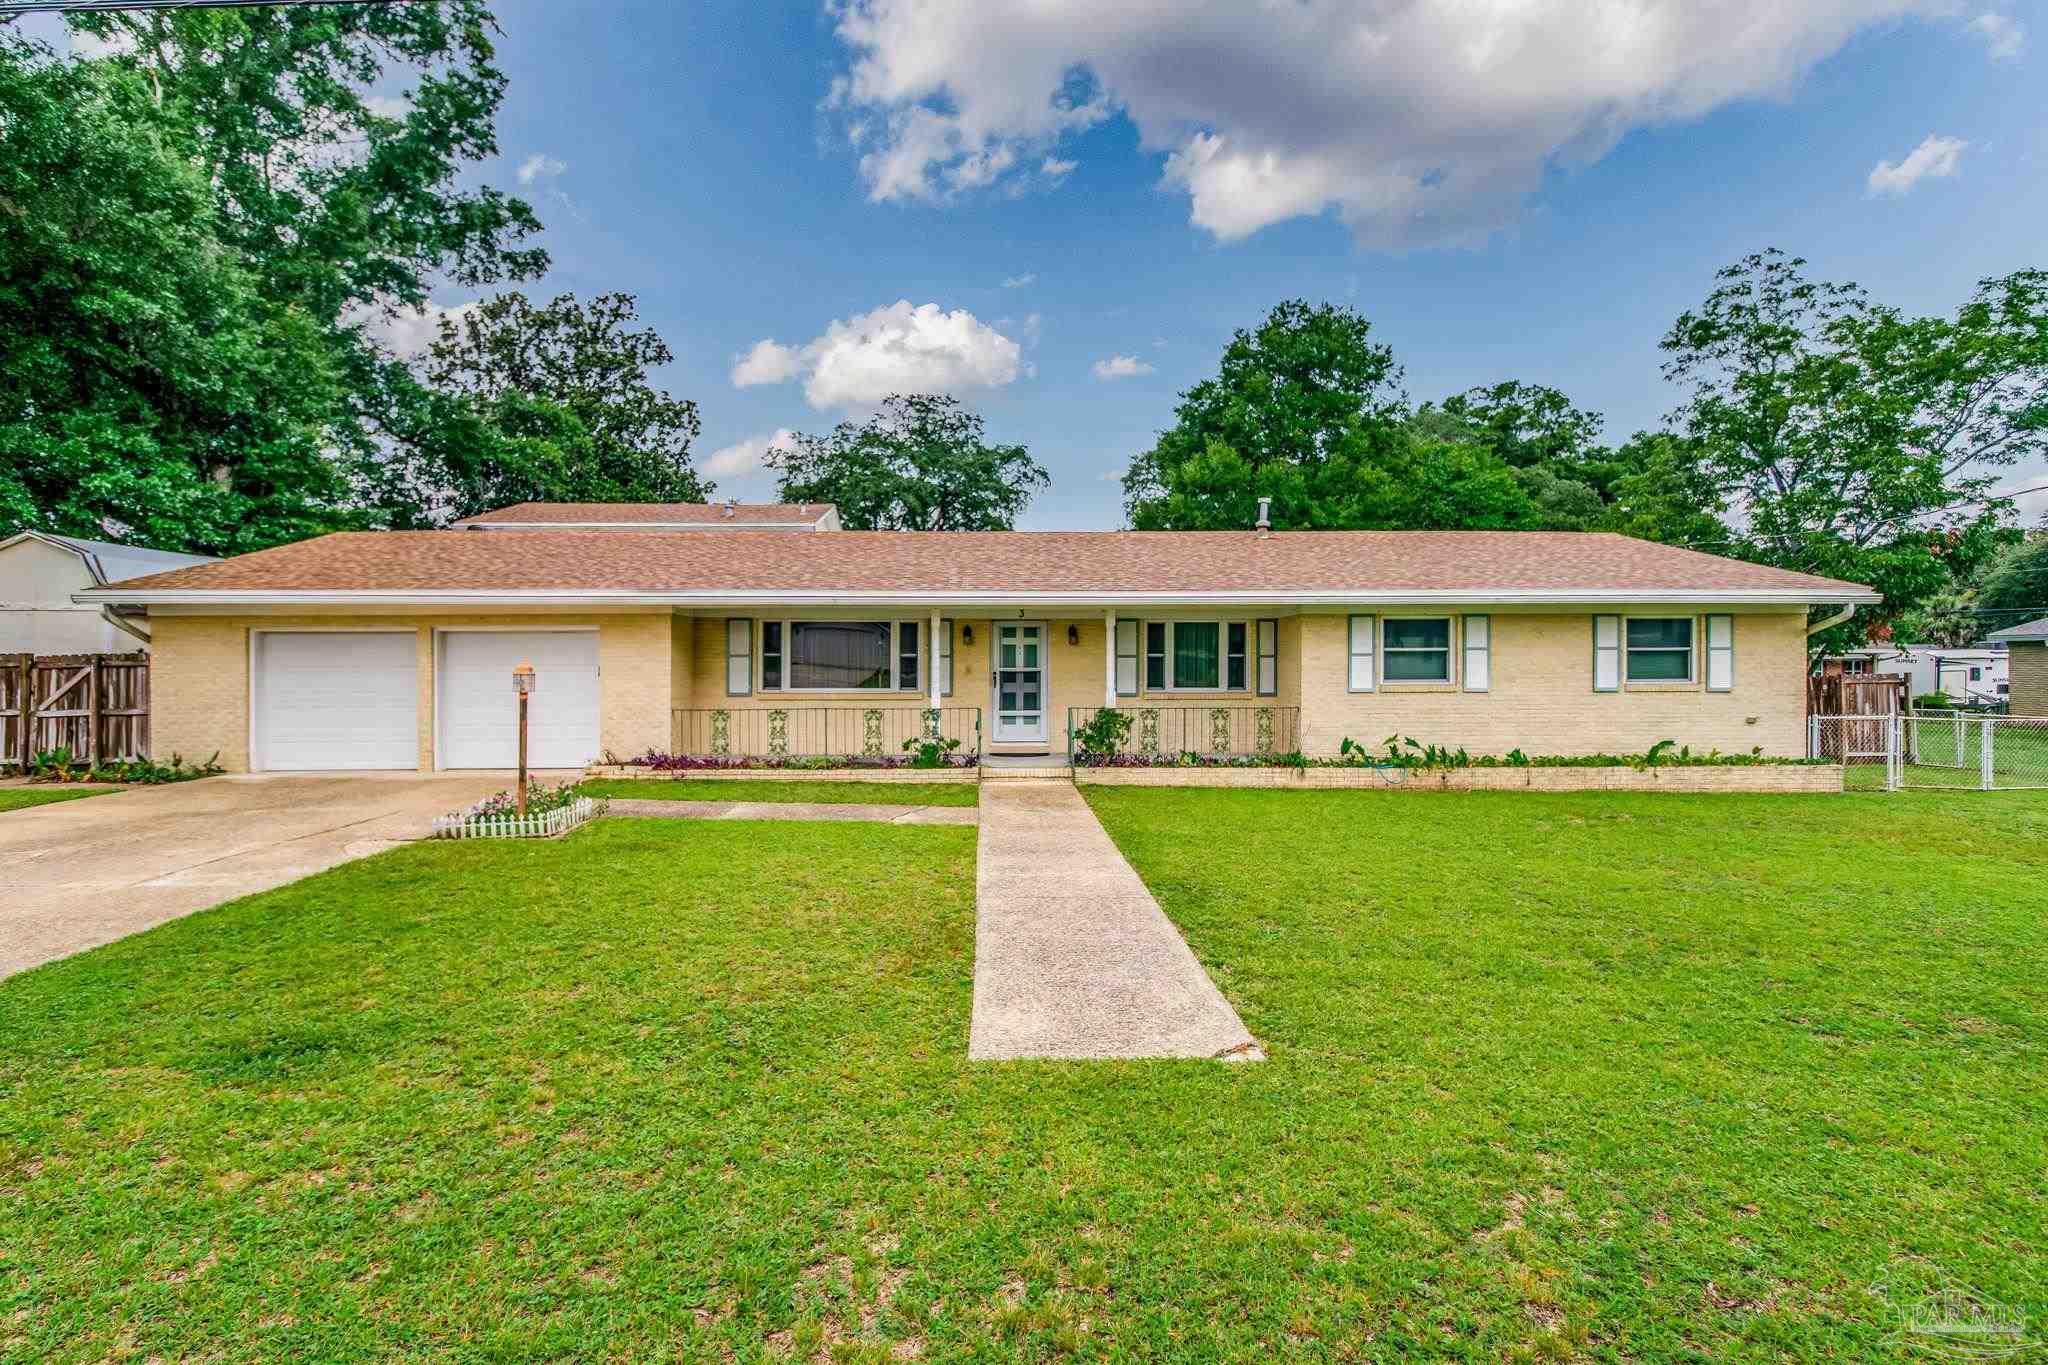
95,705
1837,695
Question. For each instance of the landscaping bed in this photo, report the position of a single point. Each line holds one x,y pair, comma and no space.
1800,777
627,772
955,791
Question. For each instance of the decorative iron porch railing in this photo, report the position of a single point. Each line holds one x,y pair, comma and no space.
777,733
1222,729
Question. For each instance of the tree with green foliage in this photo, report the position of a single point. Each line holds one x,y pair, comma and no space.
921,463
192,226
150,386
546,403
1852,437
1306,410
2016,579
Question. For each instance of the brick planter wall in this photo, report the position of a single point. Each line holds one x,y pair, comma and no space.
1796,778
948,775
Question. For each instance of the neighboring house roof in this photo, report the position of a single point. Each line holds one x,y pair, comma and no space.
1075,567
2025,631
657,515
110,562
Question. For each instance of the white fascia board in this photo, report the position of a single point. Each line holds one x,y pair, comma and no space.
582,597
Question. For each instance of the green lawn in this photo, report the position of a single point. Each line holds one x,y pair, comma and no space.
1634,1077
794,789
20,798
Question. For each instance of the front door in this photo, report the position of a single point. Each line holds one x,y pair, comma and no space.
1020,684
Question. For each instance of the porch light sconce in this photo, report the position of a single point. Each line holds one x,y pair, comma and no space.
967,635
1073,635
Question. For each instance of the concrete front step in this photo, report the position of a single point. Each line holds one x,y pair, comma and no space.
1059,774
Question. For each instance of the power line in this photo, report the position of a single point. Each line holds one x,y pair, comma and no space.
15,9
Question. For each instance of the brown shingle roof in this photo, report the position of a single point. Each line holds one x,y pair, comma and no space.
952,564
649,513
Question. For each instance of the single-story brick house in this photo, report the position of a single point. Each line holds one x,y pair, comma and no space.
2027,644
747,630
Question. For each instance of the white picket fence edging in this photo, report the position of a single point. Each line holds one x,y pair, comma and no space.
463,825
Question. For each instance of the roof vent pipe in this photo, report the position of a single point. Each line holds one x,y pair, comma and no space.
1265,524
730,507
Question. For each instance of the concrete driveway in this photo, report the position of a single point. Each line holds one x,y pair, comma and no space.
81,873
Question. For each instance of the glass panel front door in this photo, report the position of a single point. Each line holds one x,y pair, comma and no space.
1020,684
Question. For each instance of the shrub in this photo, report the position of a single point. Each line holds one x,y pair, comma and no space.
58,765
1101,736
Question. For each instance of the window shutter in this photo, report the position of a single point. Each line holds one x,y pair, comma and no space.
946,657
1720,654
1478,653
1363,629
1269,658
739,656
1606,653
1126,658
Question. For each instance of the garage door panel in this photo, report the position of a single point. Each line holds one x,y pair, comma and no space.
336,700
479,710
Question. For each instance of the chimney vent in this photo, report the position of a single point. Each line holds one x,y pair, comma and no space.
730,507
1265,526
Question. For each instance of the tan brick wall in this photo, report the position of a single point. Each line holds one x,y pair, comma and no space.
1542,699
2029,671
199,688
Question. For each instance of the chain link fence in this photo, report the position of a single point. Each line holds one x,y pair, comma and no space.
1934,751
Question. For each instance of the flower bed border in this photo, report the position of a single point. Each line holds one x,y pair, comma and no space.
547,825
1788,777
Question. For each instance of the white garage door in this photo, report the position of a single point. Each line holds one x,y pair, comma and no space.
345,699
480,712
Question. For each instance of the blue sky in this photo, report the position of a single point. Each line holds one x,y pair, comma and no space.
1576,191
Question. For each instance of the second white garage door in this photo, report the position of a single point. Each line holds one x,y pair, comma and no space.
479,711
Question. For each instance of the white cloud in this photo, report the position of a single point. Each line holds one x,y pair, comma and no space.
1053,168
406,333
748,456
1935,156
768,362
540,166
1121,367
388,106
901,348
1019,281
2005,38
1415,121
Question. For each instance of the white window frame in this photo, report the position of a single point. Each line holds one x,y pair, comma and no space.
1131,629
1692,653
1721,657
1366,658
780,654
1449,651
915,683
1607,653
1266,656
790,624
1223,625
735,626
1477,657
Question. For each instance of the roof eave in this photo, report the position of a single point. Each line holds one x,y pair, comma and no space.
581,597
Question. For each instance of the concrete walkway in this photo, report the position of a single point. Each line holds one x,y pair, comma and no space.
77,874
1072,956
793,810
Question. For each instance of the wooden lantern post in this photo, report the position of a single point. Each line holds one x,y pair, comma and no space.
522,683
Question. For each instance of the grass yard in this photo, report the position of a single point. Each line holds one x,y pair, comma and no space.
21,798
771,789
1627,1077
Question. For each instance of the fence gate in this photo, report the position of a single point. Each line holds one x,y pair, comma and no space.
1959,751
95,705
1867,746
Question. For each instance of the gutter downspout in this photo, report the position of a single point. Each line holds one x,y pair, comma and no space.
1830,622
108,614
